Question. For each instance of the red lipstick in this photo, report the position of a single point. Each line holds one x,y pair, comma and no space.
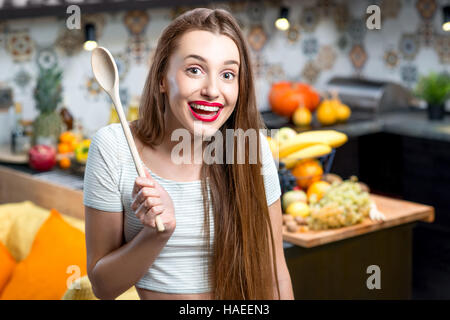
205,118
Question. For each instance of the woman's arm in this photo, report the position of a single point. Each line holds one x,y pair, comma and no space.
284,279
112,267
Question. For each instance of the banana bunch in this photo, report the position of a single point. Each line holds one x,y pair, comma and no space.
310,144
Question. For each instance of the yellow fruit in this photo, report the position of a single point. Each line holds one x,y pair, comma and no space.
326,113
314,151
317,190
284,134
332,138
302,117
298,209
343,112
273,146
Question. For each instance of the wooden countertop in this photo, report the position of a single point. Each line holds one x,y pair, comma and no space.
17,186
397,212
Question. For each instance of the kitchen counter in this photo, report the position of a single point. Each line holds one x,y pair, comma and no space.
412,123
408,123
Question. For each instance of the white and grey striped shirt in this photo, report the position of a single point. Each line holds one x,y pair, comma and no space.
108,183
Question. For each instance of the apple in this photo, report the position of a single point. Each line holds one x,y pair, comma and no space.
293,196
284,134
42,157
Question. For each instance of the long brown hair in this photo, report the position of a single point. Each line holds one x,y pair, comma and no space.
241,266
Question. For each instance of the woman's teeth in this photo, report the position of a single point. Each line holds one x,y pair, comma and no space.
198,106
200,109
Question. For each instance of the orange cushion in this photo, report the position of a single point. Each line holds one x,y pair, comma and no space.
45,274
7,266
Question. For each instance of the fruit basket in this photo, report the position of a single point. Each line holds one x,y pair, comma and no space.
288,181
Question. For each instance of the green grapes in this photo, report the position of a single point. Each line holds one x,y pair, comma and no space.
344,204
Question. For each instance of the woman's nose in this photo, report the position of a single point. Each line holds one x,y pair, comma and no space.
210,89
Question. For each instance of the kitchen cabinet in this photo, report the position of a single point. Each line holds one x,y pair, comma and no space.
333,264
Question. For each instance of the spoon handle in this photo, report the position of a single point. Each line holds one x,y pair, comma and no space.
126,129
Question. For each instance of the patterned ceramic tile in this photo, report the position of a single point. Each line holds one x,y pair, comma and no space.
138,48
46,58
93,88
20,45
123,64
390,9
341,16
391,58
357,30
293,34
310,47
408,74
326,7
255,11
426,8
409,46
136,21
342,42
442,47
259,65
70,42
310,72
426,33
275,73
326,57
22,78
257,37
309,19
358,56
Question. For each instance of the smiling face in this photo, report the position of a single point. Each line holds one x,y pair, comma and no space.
202,82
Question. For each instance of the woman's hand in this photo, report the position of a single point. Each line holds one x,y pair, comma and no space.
151,199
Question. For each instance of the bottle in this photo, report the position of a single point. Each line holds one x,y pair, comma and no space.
19,139
133,109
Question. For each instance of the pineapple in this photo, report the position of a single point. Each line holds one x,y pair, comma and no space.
48,95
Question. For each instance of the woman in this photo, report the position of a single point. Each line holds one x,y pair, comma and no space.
201,62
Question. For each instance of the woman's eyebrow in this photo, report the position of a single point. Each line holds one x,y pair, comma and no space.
204,60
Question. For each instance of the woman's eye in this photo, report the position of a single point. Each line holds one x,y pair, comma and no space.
194,70
228,75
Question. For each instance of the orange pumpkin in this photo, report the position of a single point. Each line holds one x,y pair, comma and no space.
285,97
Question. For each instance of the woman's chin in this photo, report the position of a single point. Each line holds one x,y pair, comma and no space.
203,129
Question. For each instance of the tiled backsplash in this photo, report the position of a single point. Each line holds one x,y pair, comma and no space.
327,38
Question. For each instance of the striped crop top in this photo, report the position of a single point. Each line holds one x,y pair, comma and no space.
108,182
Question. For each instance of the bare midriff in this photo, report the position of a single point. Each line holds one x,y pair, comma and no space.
145,294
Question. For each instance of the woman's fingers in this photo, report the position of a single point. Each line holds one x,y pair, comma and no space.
147,215
141,182
142,195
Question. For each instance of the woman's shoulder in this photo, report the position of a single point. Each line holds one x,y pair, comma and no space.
109,135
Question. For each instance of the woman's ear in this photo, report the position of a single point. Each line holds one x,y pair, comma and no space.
162,86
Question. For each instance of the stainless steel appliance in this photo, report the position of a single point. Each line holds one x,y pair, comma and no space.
371,96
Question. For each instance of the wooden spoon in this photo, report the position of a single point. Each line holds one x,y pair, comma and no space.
105,72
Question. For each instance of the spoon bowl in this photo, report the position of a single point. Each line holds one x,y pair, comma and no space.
104,68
